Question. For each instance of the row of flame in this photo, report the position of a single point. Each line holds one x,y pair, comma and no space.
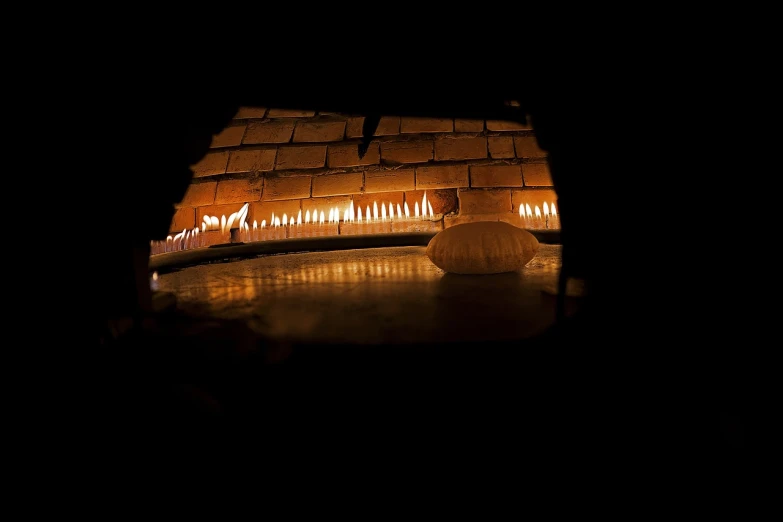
349,216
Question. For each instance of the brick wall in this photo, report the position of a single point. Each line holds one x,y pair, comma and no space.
282,161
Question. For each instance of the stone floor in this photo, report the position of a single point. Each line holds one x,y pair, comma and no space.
370,296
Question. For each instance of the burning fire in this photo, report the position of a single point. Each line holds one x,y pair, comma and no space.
320,222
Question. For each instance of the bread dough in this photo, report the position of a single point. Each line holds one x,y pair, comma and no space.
487,247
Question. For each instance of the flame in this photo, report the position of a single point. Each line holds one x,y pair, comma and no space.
299,217
417,210
277,222
424,204
155,275
351,214
391,211
307,217
331,215
360,214
231,220
243,214
223,224
383,212
521,210
215,222
203,227
322,217
538,212
346,217
263,223
375,210
554,210
399,211
546,209
255,225
206,220
527,210
272,221
430,207
247,227
367,214
285,219
407,212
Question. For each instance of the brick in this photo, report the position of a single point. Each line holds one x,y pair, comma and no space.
222,210
251,160
324,204
510,218
184,218
484,201
389,180
268,132
468,125
382,198
442,176
532,197
263,209
396,152
300,157
500,147
452,148
238,191
199,195
338,184
442,201
527,147
353,127
423,225
289,113
347,155
319,131
212,164
536,175
419,125
289,187
250,112
388,126
495,176
228,137
502,125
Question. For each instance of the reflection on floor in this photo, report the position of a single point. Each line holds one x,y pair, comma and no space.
369,296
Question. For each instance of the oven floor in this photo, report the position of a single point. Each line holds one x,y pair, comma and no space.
370,296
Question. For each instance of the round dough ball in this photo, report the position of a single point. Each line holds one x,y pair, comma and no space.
484,247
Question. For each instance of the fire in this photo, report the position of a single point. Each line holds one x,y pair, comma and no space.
352,214
407,212
416,214
307,217
383,211
223,224
527,211
375,210
546,209
399,211
367,213
538,212
424,205
554,210
263,223
391,211
322,217
285,219
360,215
521,210
429,206
299,217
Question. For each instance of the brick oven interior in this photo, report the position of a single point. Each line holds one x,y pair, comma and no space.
366,337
